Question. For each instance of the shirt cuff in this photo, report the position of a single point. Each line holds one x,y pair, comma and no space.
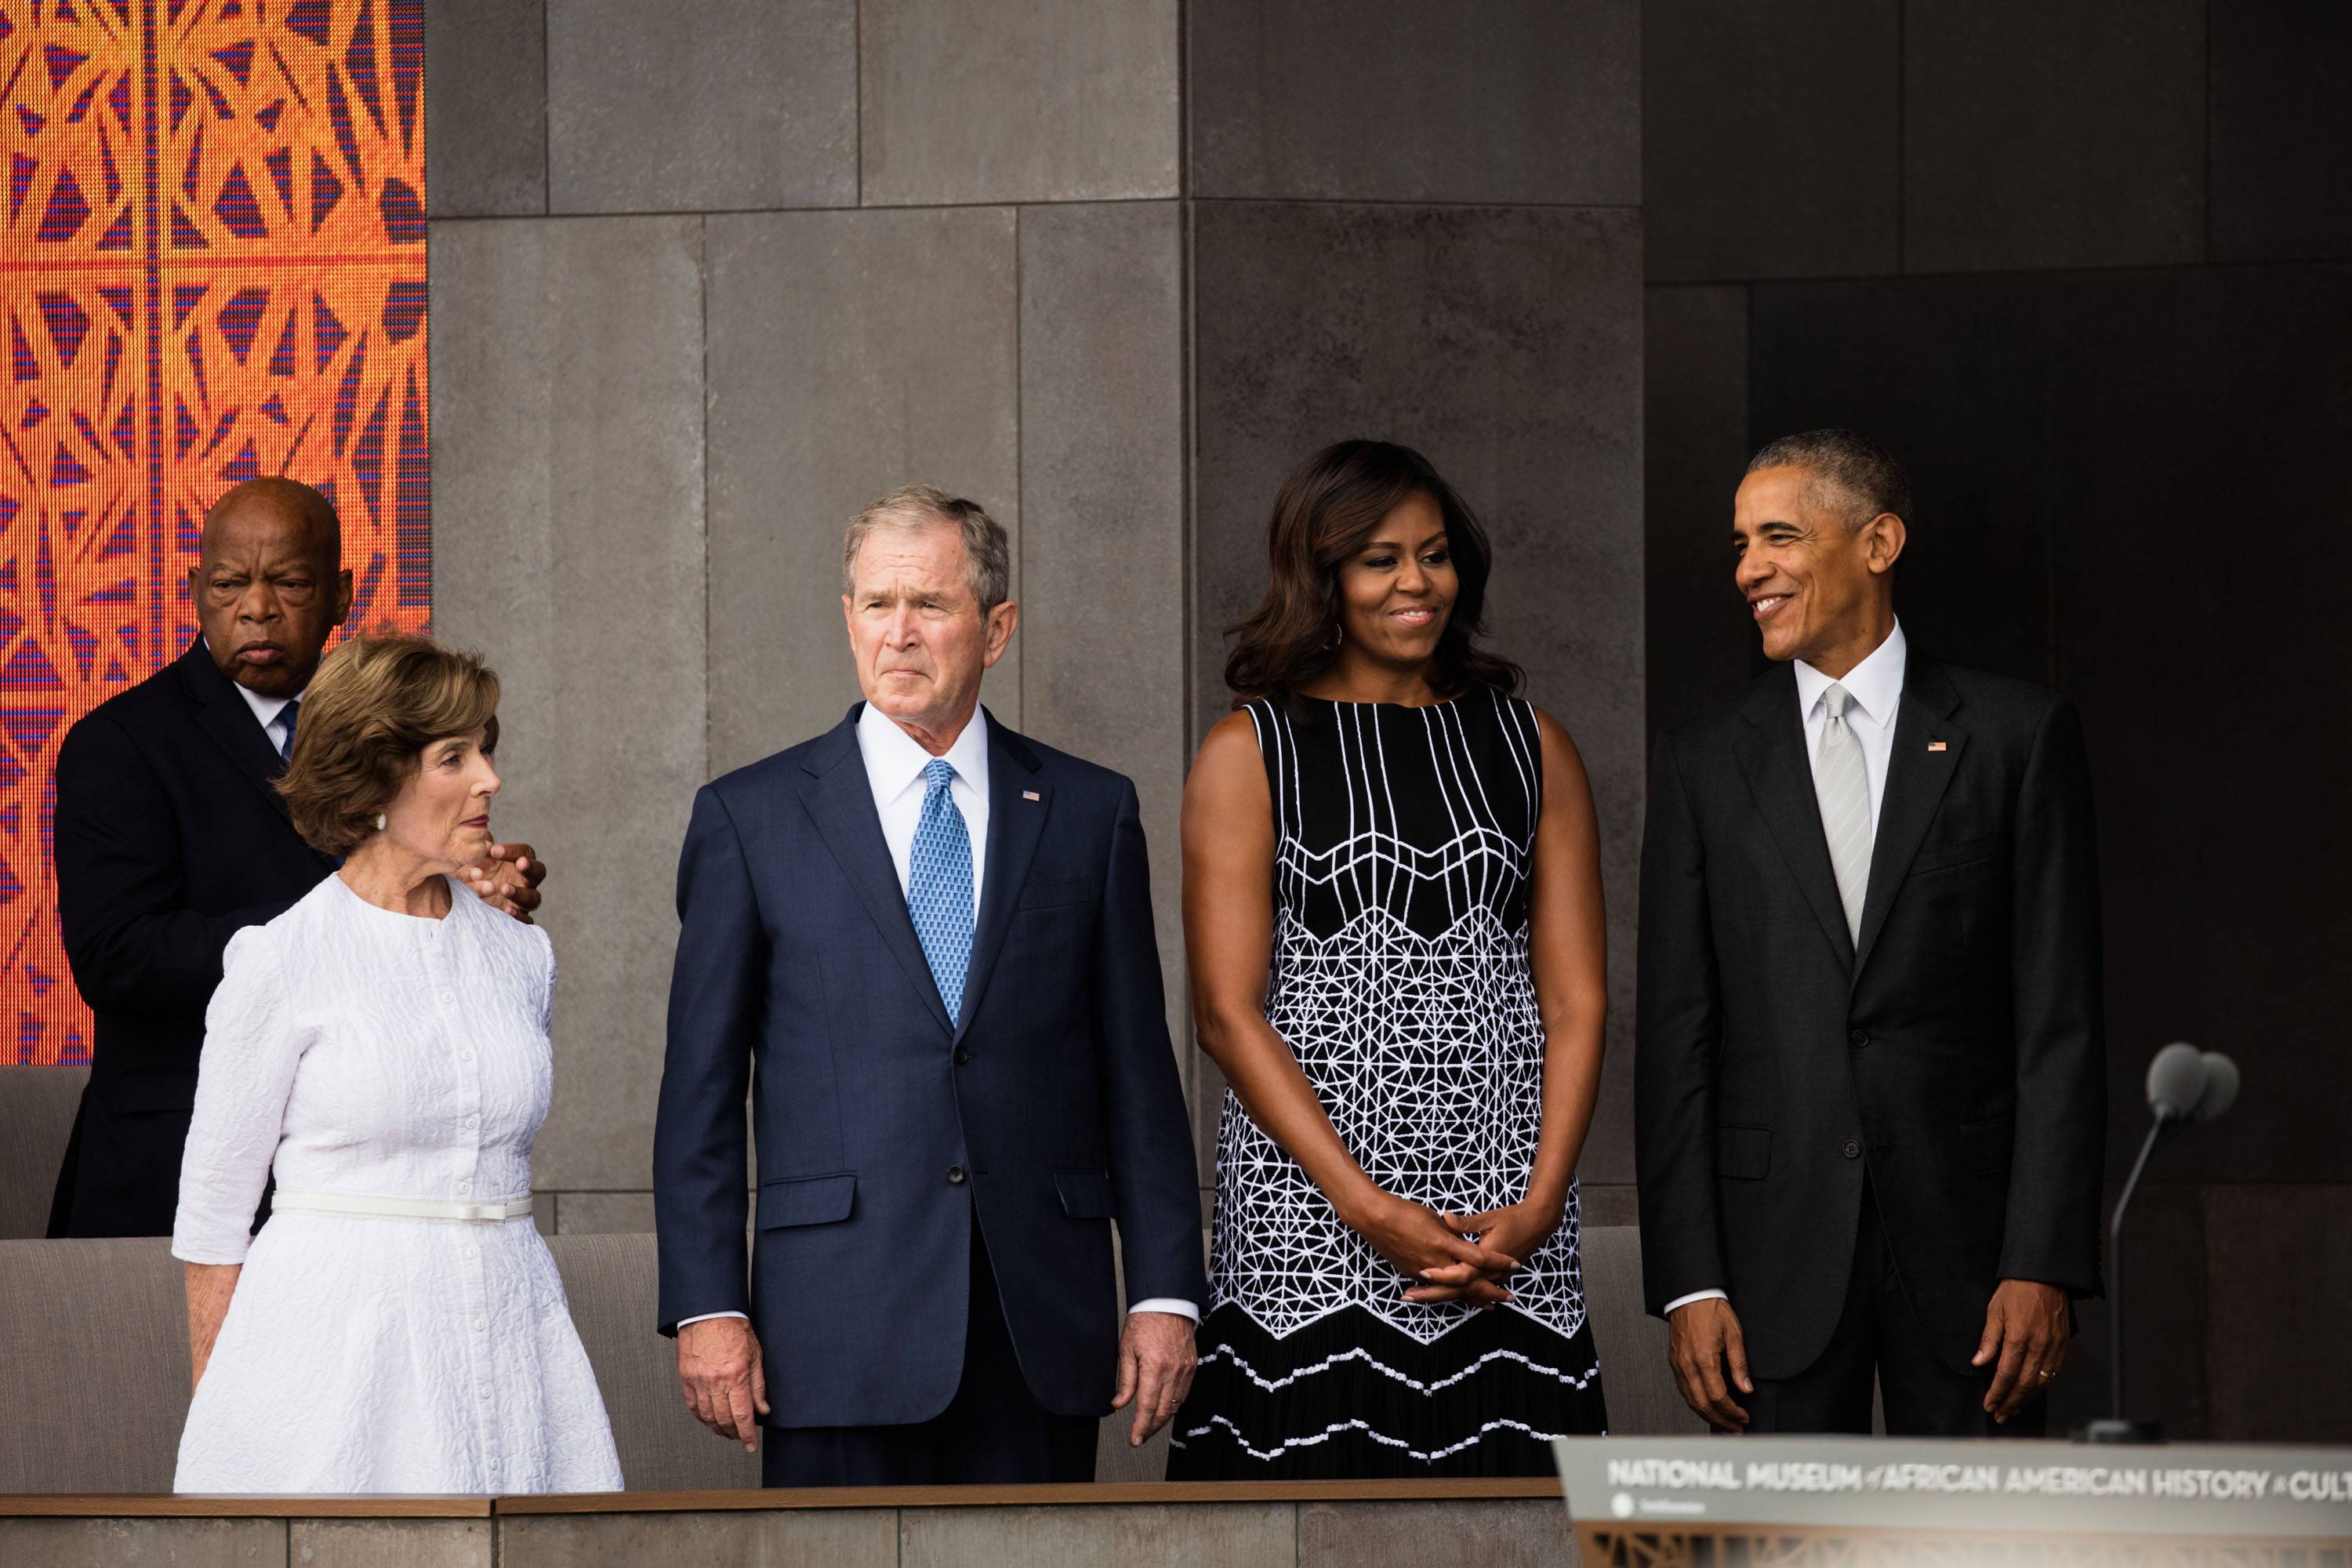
1168,1304
1681,1301
706,1317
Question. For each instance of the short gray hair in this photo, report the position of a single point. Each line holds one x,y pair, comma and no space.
927,506
1853,475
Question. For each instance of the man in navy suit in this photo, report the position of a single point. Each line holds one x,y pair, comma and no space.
924,944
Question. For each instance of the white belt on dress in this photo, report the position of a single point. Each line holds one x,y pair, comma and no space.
492,1213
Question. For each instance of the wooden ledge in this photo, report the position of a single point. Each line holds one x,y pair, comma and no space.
152,1505
1089,1493
170,1505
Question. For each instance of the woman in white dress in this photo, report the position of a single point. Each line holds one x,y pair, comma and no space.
397,1325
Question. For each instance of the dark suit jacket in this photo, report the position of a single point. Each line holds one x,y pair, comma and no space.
170,839
1955,1055
884,1133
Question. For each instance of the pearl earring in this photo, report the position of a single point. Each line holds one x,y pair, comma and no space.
379,822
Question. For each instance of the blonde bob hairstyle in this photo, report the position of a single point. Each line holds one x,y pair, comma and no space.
365,719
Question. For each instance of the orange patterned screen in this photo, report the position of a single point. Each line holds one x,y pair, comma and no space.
215,260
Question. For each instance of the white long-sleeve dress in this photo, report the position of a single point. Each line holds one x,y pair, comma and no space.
376,1055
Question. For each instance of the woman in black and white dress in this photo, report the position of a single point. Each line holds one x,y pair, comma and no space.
1393,921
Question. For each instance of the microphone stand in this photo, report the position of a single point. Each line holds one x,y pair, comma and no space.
2115,1427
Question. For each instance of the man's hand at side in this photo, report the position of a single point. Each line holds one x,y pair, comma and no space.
1157,1357
718,1369
1702,1340
2025,1332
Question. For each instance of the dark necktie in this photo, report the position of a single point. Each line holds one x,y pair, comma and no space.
289,713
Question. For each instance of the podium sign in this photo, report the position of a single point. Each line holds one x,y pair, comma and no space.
1812,1502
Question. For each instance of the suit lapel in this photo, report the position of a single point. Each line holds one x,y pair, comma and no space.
840,802
223,716
1772,755
1016,824
1915,779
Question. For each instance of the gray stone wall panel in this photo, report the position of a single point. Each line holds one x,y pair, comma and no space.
852,1537
1237,1535
1102,505
1525,100
2274,1295
2280,137
568,494
1018,100
1696,413
142,1542
391,1542
2047,136
1505,1533
1771,139
849,353
484,108
701,105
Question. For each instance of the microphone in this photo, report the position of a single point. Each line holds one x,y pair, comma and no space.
2176,1083
2221,1087
2184,1086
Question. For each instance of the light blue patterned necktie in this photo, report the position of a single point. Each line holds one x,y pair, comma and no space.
938,886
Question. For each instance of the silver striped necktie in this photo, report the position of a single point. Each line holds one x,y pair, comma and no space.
1842,784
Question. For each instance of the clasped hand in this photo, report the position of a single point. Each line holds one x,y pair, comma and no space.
1454,1257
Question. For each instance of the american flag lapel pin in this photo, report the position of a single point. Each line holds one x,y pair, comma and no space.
1032,795
1936,746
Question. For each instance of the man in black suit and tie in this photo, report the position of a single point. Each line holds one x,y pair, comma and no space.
1870,1091
172,836
924,944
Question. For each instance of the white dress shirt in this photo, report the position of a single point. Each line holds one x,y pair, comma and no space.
271,710
895,761
894,771
1876,687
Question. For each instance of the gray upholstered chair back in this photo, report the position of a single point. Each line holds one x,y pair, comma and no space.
36,1113
611,1280
1643,1401
94,1366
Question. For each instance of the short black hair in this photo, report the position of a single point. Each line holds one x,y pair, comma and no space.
1853,475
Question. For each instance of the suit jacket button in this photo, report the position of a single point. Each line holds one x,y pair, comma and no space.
961,1056
1859,1038
955,1176
1853,1149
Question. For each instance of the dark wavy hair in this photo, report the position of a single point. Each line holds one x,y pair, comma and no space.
1325,512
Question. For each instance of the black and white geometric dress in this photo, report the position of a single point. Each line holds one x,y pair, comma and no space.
1400,981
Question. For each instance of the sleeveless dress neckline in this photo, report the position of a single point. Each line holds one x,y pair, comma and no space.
1400,707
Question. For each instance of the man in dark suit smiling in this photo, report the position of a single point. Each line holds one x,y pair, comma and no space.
172,836
1870,1100
924,942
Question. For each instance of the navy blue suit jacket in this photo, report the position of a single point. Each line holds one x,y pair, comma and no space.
884,1133
170,837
